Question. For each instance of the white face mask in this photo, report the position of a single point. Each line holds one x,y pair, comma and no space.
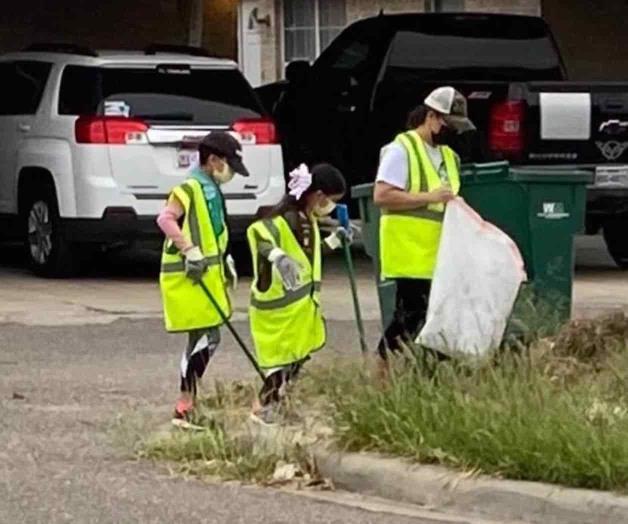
323,211
225,175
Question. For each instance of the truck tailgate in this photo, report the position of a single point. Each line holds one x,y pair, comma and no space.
575,122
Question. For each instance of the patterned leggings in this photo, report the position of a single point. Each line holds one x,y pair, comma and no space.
202,345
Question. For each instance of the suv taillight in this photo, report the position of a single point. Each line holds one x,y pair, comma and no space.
256,131
110,130
506,129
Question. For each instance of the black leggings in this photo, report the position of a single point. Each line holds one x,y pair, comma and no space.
273,389
410,311
202,345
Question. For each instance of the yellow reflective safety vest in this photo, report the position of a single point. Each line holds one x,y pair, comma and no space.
186,307
409,240
286,326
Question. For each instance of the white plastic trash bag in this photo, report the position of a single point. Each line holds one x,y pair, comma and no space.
478,273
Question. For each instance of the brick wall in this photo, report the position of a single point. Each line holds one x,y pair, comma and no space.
517,7
104,24
357,9
592,37
363,8
220,28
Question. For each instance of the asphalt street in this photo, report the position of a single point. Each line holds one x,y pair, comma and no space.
79,356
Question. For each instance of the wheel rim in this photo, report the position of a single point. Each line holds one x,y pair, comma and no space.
39,232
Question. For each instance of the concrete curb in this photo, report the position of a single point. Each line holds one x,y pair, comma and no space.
444,489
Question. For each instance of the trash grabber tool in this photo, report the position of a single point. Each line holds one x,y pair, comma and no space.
224,318
342,214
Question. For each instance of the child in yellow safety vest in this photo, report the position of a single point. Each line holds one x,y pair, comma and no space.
287,324
195,252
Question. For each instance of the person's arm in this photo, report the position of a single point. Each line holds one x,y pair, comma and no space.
392,180
392,198
268,256
168,222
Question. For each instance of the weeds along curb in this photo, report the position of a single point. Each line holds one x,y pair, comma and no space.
444,489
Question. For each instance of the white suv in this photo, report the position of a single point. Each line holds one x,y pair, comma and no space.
91,144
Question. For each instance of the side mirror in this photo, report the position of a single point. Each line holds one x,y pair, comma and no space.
297,72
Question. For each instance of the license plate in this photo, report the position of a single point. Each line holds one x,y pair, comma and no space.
186,158
611,176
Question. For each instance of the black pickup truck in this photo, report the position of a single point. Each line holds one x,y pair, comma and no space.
356,95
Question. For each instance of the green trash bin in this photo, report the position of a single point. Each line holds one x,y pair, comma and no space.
369,214
540,208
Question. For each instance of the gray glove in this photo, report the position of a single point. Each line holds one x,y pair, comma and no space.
340,234
288,268
195,264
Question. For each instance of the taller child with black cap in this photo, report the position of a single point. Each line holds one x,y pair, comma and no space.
196,249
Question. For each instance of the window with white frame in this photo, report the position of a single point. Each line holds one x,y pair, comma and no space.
310,25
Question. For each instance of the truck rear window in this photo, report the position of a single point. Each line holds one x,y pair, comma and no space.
466,48
166,94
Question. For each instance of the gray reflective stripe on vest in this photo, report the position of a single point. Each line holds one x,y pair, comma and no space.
272,229
426,214
195,231
179,266
290,297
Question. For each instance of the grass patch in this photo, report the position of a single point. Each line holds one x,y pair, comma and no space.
549,409
558,413
231,447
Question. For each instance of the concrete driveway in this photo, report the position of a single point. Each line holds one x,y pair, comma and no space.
126,287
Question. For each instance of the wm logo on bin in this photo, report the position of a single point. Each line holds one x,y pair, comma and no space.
553,211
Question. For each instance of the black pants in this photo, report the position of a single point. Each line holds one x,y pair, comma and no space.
201,346
273,389
410,311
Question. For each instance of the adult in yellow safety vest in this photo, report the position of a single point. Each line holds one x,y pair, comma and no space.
287,323
417,176
196,250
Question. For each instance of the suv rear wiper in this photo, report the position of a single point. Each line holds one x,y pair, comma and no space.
187,117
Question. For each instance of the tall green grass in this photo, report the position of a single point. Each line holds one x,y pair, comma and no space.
514,420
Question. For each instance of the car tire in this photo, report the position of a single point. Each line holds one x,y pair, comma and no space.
616,238
47,251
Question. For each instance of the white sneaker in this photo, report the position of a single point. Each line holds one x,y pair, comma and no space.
266,416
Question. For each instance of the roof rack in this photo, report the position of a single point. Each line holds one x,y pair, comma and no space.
59,47
153,49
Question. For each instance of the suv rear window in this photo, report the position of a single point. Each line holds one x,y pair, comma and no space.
166,94
477,48
26,81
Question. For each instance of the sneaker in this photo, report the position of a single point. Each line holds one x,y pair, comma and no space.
183,414
266,415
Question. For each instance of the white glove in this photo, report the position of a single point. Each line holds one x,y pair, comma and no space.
289,269
231,272
195,264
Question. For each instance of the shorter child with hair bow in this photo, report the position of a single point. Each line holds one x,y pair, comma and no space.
287,324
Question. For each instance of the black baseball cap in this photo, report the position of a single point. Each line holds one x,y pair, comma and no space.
222,144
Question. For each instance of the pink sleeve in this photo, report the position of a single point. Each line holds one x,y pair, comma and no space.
168,223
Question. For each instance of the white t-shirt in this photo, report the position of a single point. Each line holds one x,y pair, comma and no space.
393,164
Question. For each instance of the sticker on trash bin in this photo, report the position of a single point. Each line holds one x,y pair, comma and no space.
553,211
